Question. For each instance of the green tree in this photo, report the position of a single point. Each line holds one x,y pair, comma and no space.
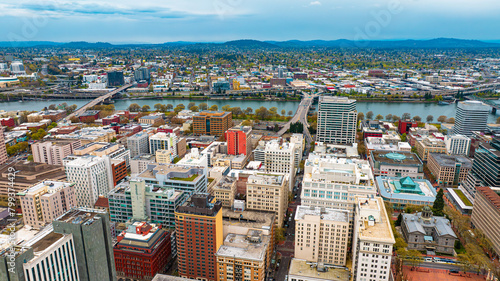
437,207
283,112
203,106
134,107
379,117
226,107
398,221
369,115
441,119
403,137
214,107
194,108
430,118
361,116
191,104
248,111
146,108
406,116
158,106
290,113
170,107
388,117
450,120
417,118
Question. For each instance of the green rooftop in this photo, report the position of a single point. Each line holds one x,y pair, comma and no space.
191,178
463,197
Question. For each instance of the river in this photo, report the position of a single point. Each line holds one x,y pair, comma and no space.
384,108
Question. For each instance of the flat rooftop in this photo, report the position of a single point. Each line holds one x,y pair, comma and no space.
249,218
145,157
381,230
451,160
391,187
80,216
52,186
324,213
300,267
238,246
396,158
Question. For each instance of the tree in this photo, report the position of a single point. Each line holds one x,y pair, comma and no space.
417,118
170,107
158,106
246,123
283,112
388,117
262,113
194,108
52,107
413,257
191,104
145,108
203,106
180,105
398,221
290,113
395,118
450,120
214,107
438,206
404,137
400,243
441,119
369,115
134,107
274,110
379,117
226,107
406,116
248,111
430,118
113,139
361,116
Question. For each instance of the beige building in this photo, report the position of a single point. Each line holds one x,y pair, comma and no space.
302,270
151,120
54,151
163,156
321,235
429,145
90,134
486,214
268,192
45,201
372,241
449,170
3,149
225,191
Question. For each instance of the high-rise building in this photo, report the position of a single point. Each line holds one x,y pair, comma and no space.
45,201
372,240
486,214
449,170
92,176
238,140
17,67
457,144
54,151
268,192
471,116
277,156
337,119
321,235
214,123
142,74
138,144
199,231
3,148
92,242
140,201
166,141
115,78
485,168
142,250
335,182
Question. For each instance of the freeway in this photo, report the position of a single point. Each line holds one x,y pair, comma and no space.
97,101
301,115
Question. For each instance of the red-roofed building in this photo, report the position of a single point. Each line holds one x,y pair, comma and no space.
8,122
102,203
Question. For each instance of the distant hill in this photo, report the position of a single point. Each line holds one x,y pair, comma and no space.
438,43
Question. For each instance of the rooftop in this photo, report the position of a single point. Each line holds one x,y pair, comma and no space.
145,157
445,160
48,185
81,216
396,158
406,188
307,269
249,218
324,213
490,195
381,230
89,113
252,246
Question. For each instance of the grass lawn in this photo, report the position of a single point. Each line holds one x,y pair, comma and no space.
463,197
191,178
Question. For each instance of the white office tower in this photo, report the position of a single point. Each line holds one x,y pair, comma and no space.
138,144
321,235
337,117
17,67
92,176
471,116
280,158
372,242
457,144
166,141
334,183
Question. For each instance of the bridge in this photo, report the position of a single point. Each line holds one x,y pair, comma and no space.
97,101
301,115
495,106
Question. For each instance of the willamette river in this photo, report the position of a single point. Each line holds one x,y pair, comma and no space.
384,108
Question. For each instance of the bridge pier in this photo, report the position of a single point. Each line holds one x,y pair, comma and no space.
494,110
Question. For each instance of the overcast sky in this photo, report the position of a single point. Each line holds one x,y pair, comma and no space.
155,21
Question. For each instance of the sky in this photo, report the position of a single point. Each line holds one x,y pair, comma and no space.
155,21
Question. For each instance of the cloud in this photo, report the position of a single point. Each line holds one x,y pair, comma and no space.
315,3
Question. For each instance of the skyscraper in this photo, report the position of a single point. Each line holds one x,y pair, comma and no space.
199,230
238,140
115,78
138,144
337,119
471,116
142,74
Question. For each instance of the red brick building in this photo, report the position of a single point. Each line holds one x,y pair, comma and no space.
198,227
405,125
238,140
8,122
89,116
130,129
142,251
110,119
119,168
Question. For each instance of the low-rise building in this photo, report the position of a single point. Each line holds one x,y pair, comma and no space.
457,144
153,120
449,170
225,191
190,179
401,191
302,270
139,163
396,164
429,145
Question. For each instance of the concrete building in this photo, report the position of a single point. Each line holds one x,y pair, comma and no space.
194,158
486,215
471,116
277,157
429,145
153,120
449,170
199,221
238,140
302,270
164,156
142,251
164,141
3,149
190,179
400,191
268,192
140,163
335,182
214,123
92,176
54,151
138,144
225,191
45,201
457,144
372,241
92,242
337,118
425,232
140,201
396,164
321,235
